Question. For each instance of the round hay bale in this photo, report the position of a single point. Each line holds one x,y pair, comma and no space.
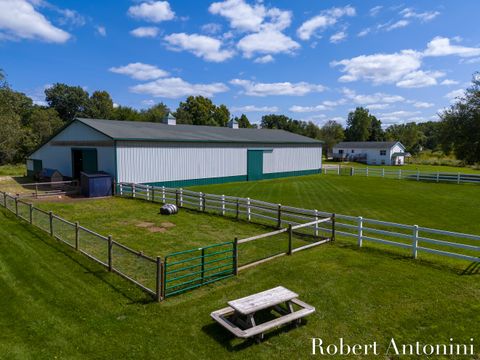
169,209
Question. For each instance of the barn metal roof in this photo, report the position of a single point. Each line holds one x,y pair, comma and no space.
366,144
148,131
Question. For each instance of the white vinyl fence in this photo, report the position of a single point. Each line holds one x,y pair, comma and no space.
401,174
414,238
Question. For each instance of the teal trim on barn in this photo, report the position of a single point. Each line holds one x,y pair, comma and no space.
228,179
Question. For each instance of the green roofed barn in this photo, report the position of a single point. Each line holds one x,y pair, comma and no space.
176,155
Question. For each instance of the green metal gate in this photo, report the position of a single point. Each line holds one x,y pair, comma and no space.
254,165
187,270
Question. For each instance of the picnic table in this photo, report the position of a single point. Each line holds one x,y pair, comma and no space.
239,316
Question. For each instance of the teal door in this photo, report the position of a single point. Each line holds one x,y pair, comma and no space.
254,165
83,160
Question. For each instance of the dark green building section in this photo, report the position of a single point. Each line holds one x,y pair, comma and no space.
254,165
37,167
84,160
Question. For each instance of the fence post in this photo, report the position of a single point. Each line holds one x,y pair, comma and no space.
177,198
248,209
16,206
110,246
279,216
204,201
338,170
181,197
163,283
148,193
133,190
290,235
438,176
238,209
360,231
235,256
51,223
316,225
383,172
77,238
200,198
352,171
153,193
366,172
203,265
158,286
458,178
333,227
121,189
415,241
163,195
223,205
31,213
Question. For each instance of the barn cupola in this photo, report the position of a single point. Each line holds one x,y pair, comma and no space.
169,119
232,124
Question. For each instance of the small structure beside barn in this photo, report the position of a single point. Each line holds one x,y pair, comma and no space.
50,175
176,155
371,152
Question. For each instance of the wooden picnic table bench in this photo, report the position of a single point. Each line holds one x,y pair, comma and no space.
239,316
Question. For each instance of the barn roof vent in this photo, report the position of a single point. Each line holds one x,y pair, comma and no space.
169,119
232,124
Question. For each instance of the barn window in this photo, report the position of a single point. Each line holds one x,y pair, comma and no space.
353,151
383,152
340,151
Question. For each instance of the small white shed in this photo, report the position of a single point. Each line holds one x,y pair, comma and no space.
371,152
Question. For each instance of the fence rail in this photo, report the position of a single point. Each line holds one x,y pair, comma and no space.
401,174
143,271
414,238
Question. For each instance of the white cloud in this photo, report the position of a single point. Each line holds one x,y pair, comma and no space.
254,108
375,10
264,59
366,99
418,79
205,47
396,116
145,31
153,11
397,25
211,28
241,15
148,102
245,17
281,88
449,82
338,37
173,88
425,16
69,17
379,68
378,106
307,109
441,46
267,42
320,22
20,20
364,32
471,61
423,105
455,94
101,30
140,71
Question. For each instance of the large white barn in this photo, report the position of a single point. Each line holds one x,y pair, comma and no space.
176,155
371,152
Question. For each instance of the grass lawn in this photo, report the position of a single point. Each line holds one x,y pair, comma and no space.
421,167
58,304
13,170
443,206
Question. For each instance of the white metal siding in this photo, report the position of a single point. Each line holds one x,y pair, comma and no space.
283,159
142,162
60,157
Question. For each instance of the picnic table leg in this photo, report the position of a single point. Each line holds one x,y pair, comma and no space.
290,308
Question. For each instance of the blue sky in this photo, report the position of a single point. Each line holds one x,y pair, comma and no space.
311,60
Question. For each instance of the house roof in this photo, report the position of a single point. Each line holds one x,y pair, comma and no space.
148,131
367,144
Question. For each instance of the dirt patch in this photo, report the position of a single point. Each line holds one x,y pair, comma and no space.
145,224
167,225
156,229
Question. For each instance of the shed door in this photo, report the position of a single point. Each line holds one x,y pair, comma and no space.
84,160
254,165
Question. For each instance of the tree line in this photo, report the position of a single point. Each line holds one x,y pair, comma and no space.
26,125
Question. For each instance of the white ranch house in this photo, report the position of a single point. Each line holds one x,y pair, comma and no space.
371,152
